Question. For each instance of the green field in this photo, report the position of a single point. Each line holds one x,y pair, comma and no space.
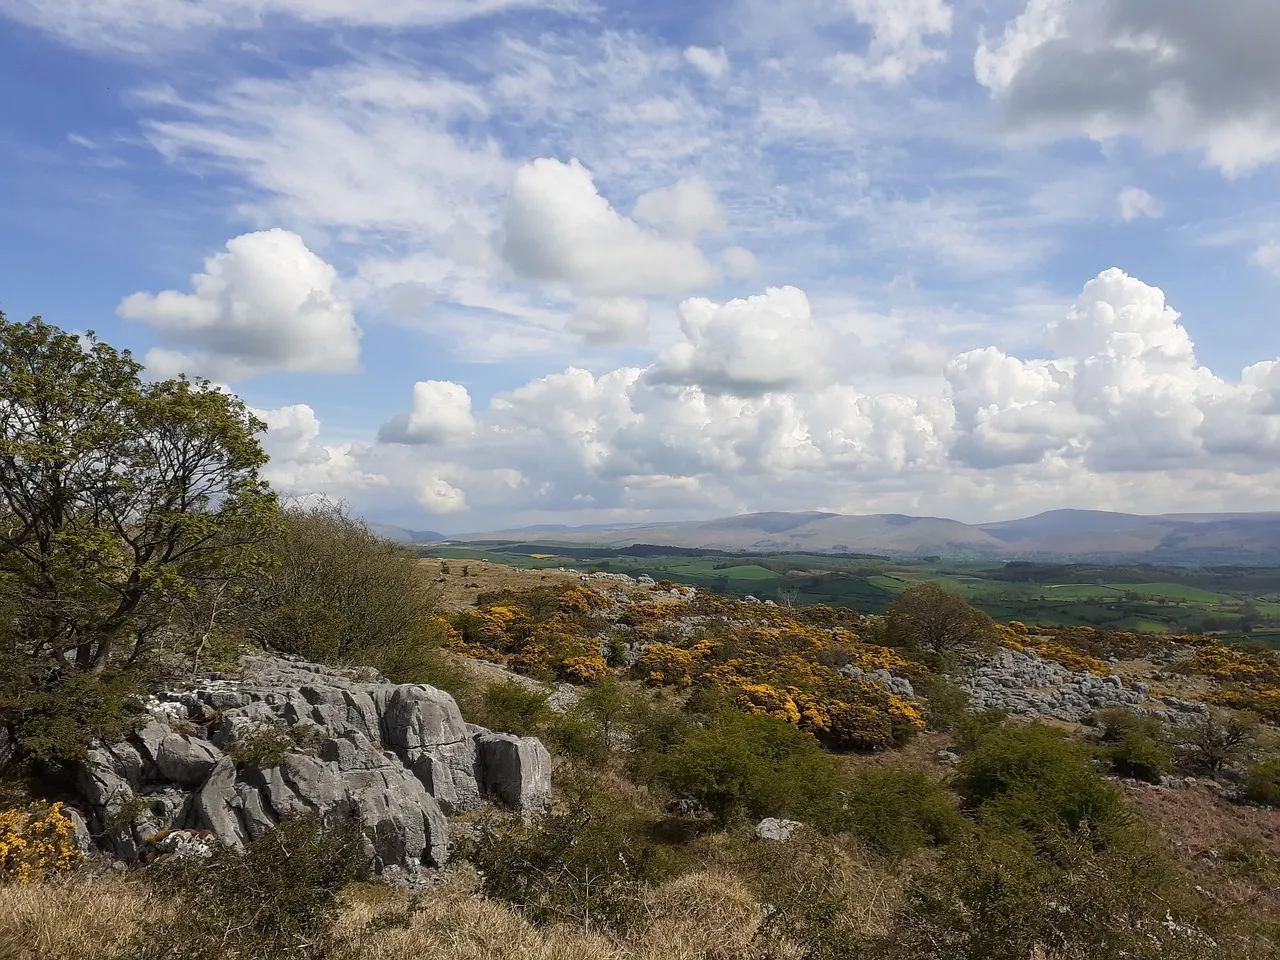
1230,601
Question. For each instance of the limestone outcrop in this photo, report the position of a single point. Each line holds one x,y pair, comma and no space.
225,758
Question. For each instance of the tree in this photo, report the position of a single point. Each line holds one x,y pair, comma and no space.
927,617
117,497
1216,740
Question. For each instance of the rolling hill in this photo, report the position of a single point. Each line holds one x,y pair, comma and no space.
1079,535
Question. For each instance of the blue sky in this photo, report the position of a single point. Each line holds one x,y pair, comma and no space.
488,262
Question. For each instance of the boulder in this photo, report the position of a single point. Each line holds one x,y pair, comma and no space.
516,770
773,830
186,760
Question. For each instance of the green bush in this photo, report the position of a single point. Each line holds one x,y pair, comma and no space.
586,864
512,707
654,725
970,730
756,766
1000,896
897,811
339,594
1032,776
576,736
269,747
51,715
946,705
1263,783
1216,741
277,899
1134,745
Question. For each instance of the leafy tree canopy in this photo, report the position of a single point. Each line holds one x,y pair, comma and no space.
927,617
119,498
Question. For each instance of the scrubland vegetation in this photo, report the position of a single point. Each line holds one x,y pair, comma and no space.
134,555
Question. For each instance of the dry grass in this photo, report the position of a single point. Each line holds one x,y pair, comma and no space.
699,916
696,917
98,918
459,593
1207,835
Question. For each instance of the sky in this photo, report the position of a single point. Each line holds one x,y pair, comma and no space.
488,263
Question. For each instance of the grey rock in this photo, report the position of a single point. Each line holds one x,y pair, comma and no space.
108,776
397,757
80,823
773,830
186,760
517,770
148,738
218,805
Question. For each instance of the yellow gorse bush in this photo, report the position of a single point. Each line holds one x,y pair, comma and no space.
764,659
34,841
1254,677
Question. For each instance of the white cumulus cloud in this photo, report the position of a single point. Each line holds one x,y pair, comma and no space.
1267,257
559,228
1177,74
746,347
898,30
267,303
441,413
712,63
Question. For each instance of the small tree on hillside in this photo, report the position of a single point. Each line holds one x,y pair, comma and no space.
116,496
927,617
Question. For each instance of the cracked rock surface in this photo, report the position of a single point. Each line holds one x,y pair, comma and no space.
399,756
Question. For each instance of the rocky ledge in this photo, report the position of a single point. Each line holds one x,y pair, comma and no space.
224,759
1029,685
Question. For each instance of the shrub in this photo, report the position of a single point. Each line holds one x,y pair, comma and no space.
513,707
897,811
52,716
1216,741
998,896
945,703
1033,777
34,841
576,736
277,899
605,703
972,729
586,669
1139,756
654,726
1134,745
269,747
926,617
339,594
586,864
757,766
1263,783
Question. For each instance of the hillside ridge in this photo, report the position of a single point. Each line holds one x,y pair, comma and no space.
1180,538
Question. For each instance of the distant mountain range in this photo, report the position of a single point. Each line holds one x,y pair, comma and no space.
1059,535
401,534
